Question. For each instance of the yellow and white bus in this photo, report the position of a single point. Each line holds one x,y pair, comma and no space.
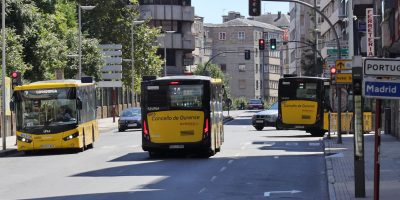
302,102
55,114
182,113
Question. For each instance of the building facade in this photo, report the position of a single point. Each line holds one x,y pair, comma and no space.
175,17
247,78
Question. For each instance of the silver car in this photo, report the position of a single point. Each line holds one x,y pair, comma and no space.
266,118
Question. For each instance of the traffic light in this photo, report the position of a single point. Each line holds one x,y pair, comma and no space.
247,54
272,44
261,44
333,74
16,78
254,7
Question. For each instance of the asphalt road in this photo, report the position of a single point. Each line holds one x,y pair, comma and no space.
252,164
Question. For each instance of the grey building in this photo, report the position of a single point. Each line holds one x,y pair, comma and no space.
177,16
247,78
201,52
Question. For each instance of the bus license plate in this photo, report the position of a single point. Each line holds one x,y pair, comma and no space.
176,146
260,121
47,146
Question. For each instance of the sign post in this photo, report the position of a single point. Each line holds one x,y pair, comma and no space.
359,168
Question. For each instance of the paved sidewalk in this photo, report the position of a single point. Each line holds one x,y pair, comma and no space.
340,167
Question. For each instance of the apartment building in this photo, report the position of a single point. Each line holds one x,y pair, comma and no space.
175,17
247,78
304,31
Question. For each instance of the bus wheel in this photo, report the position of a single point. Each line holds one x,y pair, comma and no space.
91,145
259,128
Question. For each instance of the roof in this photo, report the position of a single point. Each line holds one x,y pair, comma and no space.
245,22
283,22
52,84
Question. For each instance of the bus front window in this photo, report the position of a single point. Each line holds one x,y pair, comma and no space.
48,112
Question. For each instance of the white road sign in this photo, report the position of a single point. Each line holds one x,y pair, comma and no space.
382,67
109,84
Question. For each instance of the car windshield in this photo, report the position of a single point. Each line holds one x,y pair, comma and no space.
131,113
274,106
255,101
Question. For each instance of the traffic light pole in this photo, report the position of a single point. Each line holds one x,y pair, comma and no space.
339,118
3,85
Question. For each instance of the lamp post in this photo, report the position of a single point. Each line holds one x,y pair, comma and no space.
80,35
133,60
165,51
3,61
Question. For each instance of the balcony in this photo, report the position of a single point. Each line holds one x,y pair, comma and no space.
177,41
167,12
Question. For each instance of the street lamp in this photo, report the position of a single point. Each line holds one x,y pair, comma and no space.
165,51
133,59
80,35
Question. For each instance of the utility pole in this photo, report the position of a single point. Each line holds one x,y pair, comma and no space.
3,85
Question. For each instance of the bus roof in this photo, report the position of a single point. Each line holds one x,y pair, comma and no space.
195,77
305,77
52,84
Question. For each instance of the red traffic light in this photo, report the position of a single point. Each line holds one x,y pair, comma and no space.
261,44
333,70
14,74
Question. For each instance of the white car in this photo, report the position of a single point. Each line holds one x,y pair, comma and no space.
266,118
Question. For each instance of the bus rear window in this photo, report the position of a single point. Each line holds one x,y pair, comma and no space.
157,97
299,90
186,96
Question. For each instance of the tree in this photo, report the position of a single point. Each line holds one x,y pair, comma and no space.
14,49
215,72
111,22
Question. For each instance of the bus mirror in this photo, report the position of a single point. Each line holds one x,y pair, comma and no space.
12,106
78,104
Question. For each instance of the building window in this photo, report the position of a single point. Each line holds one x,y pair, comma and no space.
223,67
241,35
222,36
242,84
242,68
256,84
256,68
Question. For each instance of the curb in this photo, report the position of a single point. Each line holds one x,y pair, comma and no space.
329,171
227,119
7,152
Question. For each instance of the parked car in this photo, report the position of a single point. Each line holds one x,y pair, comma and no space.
266,118
255,104
130,118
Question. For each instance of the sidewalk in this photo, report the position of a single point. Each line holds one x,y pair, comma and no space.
340,167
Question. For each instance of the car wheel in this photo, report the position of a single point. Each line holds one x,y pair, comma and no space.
259,127
277,126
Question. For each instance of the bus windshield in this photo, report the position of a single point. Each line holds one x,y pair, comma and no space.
299,90
46,107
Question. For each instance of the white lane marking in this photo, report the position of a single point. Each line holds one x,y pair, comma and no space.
222,169
202,190
276,157
108,147
213,178
336,155
269,144
237,155
267,194
144,190
292,144
315,144
230,162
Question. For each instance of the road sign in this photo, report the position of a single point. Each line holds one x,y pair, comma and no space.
343,52
113,60
112,53
344,78
381,89
112,76
344,64
381,67
109,84
113,68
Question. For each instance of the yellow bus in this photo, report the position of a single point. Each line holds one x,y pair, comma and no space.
302,102
56,114
182,113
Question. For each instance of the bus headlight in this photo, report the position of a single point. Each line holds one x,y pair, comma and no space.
72,136
25,138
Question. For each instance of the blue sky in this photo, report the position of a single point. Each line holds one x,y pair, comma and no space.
212,10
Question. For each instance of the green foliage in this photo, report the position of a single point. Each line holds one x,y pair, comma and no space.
14,49
237,103
215,72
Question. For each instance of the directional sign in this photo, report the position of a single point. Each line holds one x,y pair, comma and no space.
381,67
381,89
343,52
344,78
109,84
344,64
